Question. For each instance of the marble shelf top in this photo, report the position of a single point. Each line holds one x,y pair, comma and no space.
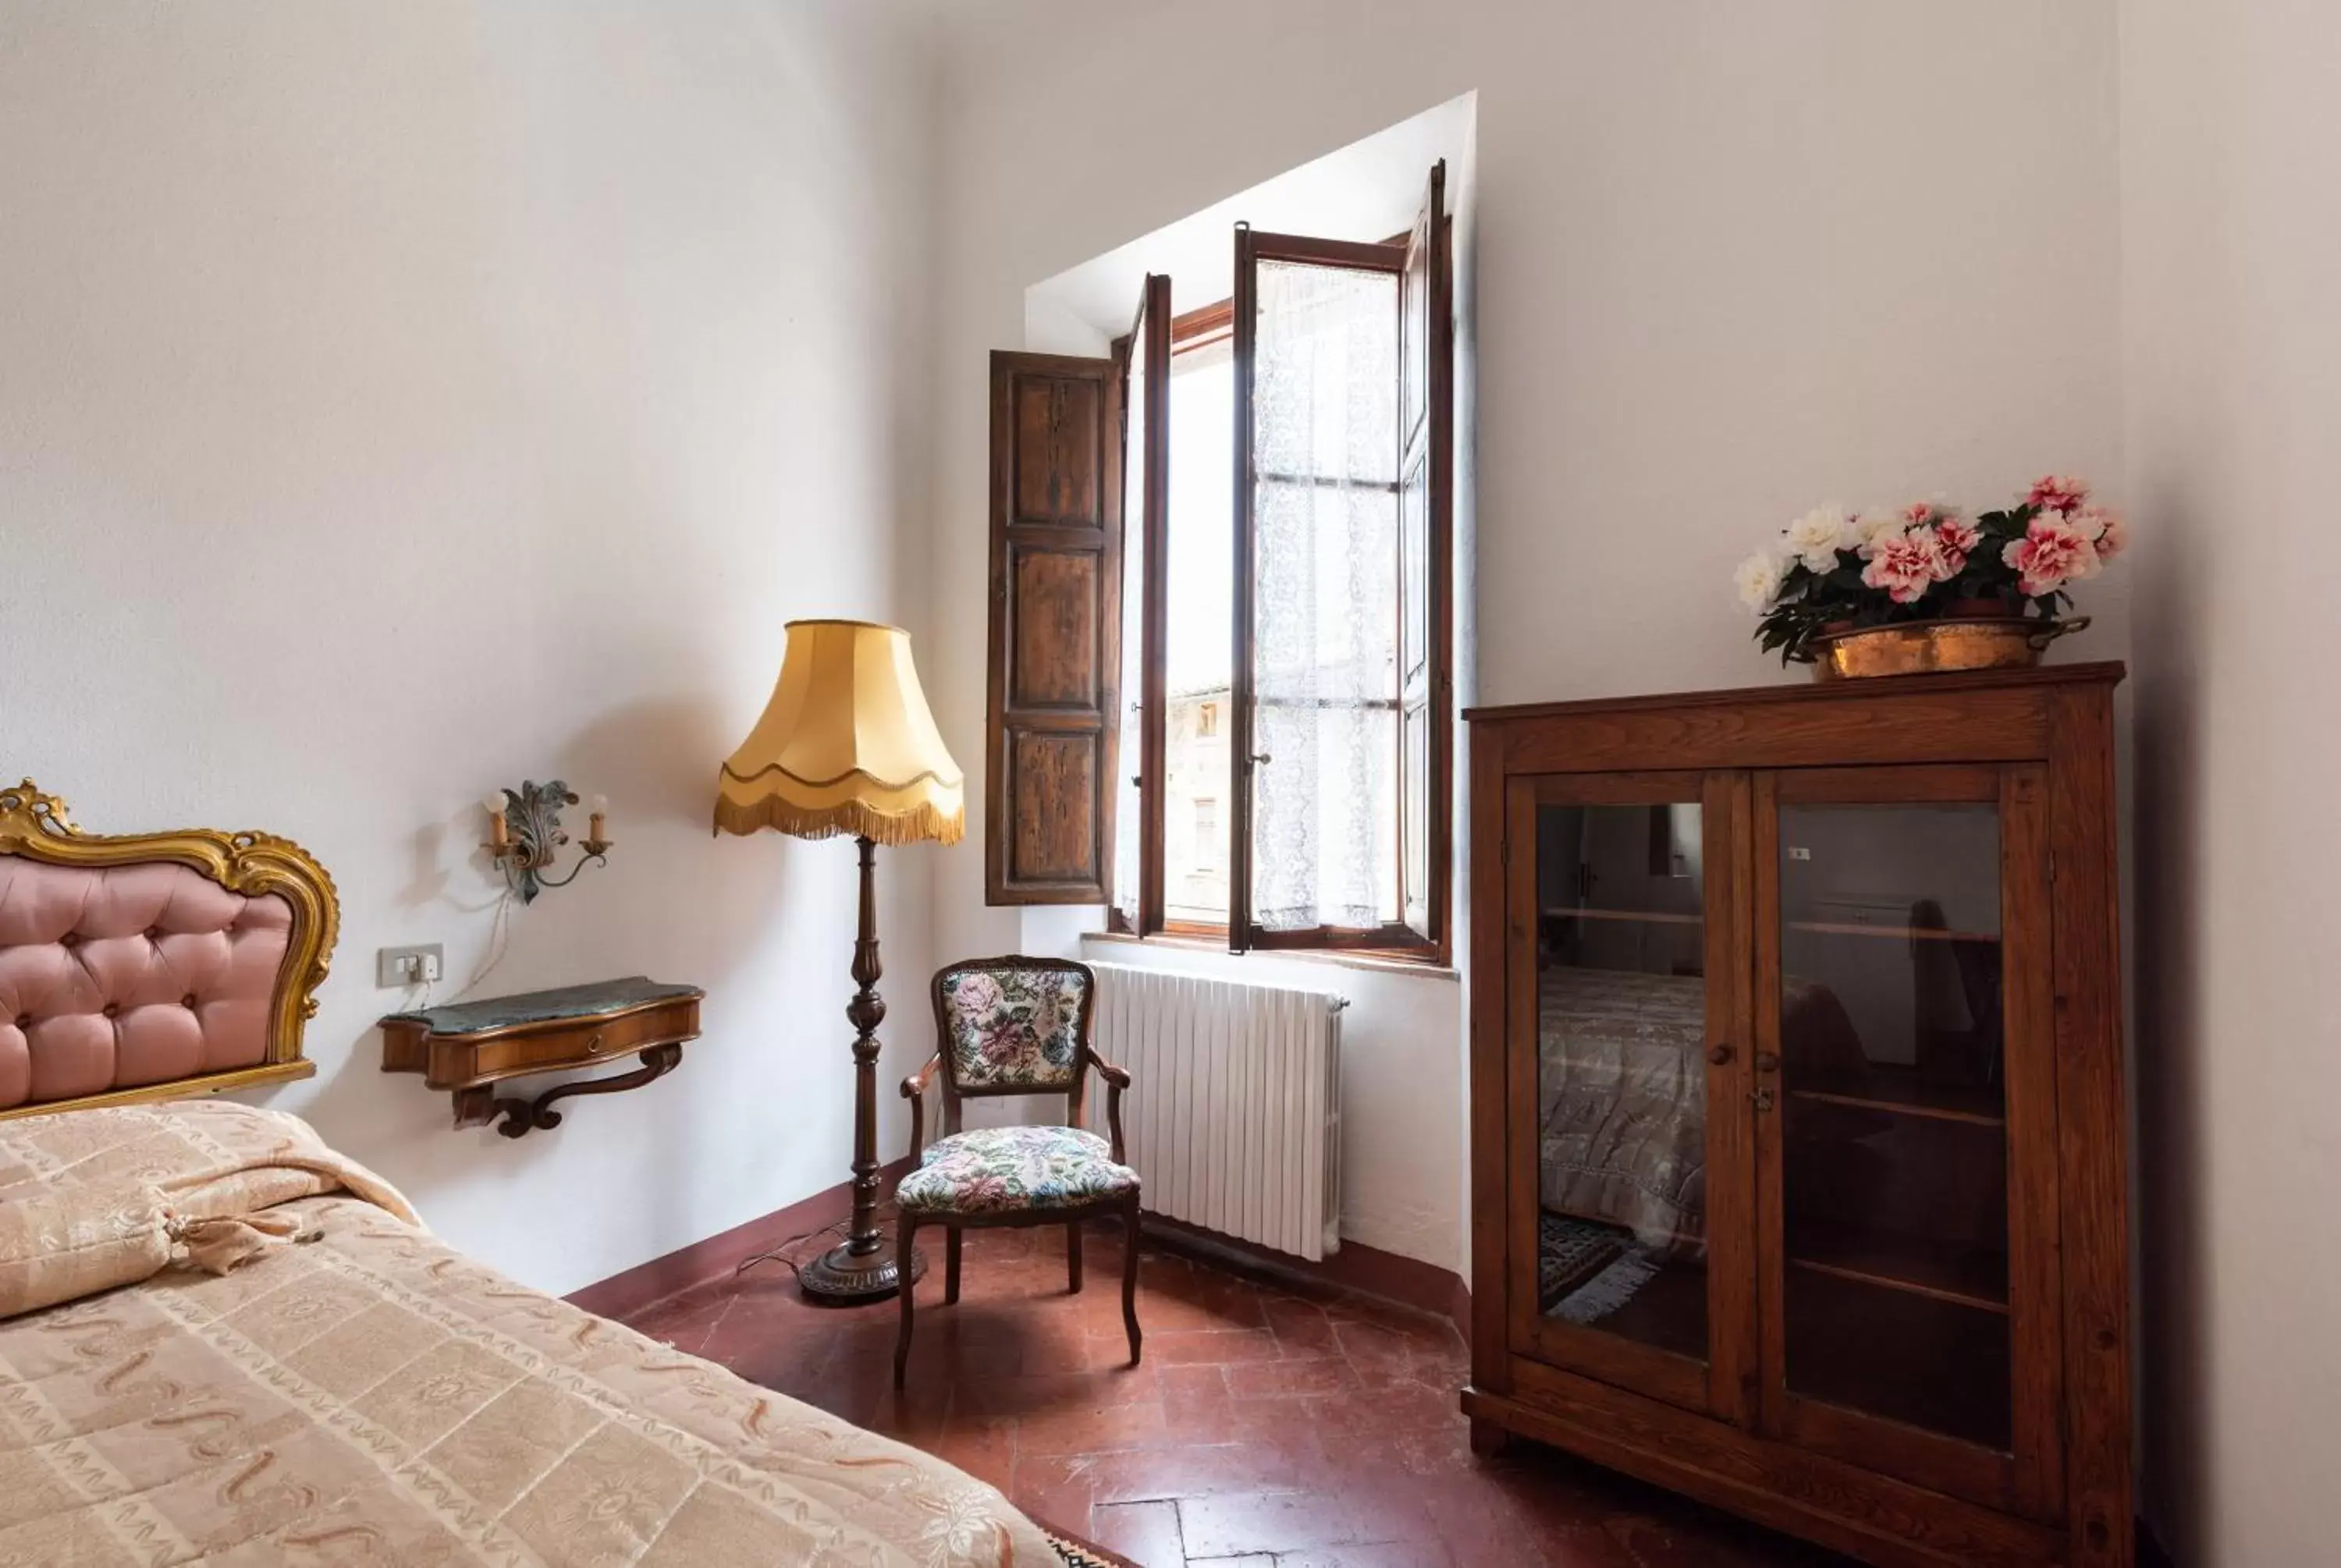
544,1007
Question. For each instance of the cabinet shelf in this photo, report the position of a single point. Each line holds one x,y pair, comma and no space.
1963,1275
1653,916
1900,1093
1915,933
1918,1360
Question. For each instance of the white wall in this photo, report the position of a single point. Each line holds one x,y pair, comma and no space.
397,401
2232,242
1732,260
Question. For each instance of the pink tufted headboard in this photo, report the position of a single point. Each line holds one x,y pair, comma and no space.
137,967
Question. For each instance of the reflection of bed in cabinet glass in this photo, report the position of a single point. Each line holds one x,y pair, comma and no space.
1621,999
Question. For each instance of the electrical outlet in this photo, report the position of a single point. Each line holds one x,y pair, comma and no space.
397,967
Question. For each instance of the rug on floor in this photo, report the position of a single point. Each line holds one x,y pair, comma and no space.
1079,1554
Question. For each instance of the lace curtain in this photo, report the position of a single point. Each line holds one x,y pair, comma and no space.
1325,599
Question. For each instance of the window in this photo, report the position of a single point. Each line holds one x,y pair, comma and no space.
1210,838
1280,754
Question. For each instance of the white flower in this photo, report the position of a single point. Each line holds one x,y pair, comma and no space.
1817,537
1878,526
1759,580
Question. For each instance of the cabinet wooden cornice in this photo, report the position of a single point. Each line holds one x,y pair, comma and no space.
1797,1109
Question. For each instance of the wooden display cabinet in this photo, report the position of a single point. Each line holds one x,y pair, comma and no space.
1797,1106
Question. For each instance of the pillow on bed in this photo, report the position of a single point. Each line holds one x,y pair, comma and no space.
92,1199
79,1240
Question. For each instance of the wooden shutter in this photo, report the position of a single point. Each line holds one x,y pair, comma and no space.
1425,565
1053,698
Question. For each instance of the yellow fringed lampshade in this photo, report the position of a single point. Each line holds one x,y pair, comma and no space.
847,745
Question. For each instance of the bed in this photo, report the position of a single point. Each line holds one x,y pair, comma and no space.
222,1339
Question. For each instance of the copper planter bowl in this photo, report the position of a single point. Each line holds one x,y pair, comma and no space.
1931,647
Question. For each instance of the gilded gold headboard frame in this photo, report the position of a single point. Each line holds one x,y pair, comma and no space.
38,825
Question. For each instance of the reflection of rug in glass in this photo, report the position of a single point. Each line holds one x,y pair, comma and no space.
1585,1271
1569,1252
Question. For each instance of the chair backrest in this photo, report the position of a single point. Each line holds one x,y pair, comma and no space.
1013,1025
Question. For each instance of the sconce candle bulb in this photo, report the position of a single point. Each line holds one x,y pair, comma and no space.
525,834
493,804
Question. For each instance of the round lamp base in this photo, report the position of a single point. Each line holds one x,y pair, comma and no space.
840,1277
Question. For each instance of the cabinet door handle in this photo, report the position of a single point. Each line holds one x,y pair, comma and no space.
1767,1062
1763,1098
1720,1055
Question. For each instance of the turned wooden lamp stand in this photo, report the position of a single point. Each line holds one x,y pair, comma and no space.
847,745
860,1268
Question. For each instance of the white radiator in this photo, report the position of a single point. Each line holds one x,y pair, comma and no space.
1234,1117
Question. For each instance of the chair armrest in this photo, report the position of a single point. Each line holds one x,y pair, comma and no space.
1116,1080
914,1089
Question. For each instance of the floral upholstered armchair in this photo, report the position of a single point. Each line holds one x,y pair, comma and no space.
1016,1025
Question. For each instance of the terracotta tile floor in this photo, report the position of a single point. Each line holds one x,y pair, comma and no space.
1265,1429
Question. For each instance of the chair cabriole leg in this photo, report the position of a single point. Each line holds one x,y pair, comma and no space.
951,1266
906,1228
1129,1276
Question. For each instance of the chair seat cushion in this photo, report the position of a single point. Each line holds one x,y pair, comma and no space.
999,1170
1042,1140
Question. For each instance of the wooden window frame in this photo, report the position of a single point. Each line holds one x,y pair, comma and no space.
1397,939
1204,327
1155,321
1208,326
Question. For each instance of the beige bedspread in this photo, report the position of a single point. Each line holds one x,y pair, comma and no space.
373,1396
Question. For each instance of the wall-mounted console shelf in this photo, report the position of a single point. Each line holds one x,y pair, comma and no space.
469,1049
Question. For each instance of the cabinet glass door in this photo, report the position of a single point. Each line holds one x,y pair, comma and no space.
1899,969
1622,885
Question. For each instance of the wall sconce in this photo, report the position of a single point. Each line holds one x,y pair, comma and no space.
525,834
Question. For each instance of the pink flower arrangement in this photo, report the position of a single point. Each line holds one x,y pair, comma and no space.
2056,494
2053,552
1958,538
1831,571
1907,564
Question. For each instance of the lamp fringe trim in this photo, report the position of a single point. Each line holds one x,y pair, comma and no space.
920,825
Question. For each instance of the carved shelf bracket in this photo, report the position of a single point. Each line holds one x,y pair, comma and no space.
522,1116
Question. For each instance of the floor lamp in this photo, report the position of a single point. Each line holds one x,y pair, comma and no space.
847,745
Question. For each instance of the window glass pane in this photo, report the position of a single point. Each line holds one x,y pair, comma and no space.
1325,599
1200,651
1621,1072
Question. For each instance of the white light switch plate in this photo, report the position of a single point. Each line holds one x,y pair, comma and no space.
394,969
